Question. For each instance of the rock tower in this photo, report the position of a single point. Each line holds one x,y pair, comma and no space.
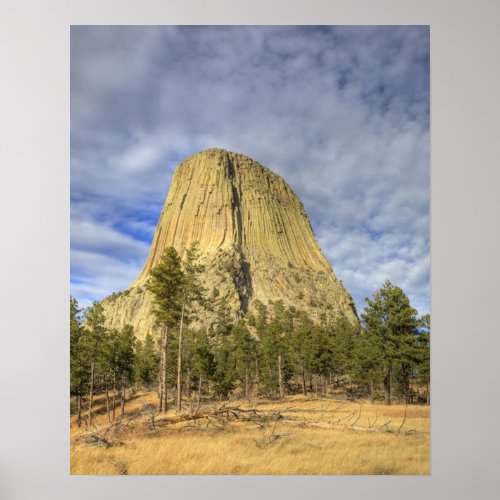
255,240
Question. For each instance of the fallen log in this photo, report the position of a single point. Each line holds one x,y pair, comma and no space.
229,412
323,425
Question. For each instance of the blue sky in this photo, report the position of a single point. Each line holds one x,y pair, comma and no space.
342,113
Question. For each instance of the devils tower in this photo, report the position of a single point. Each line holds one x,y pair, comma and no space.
255,240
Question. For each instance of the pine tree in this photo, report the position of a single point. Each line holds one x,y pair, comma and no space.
424,355
177,289
302,355
202,360
192,293
93,341
367,367
303,348
245,351
166,284
146,362
78,361
112,355
275,366
224,376
322,347
392,321
223,322
125,360
75,326
261,317
344,334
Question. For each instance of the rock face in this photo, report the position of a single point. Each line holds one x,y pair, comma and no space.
255,240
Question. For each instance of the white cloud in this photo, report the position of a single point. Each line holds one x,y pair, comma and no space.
364,262
90,235
342,115
95,275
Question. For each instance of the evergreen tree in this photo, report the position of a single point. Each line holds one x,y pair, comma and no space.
245,352
223,322
78,360
92,343
177,288
75,326
367,368
166,284
224,376
192,293
125,360
146,362
392,321
261,316
112,355
424,355
103,367
302,355
275,366
280,316
322,349
203,363
344,334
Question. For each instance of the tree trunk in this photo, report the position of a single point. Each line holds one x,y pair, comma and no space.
280,376
246,383
163,389
114,396
304,387
107,398
91,390
387,386
199,391
79,410
257,376
123,396
160,377
179,363
372,395
188,384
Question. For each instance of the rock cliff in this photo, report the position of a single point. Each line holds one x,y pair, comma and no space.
255,240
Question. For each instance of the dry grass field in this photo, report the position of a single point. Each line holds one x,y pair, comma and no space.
297,436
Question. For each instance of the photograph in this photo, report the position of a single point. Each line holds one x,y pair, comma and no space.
250,250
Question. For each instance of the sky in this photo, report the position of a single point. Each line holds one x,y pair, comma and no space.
341,112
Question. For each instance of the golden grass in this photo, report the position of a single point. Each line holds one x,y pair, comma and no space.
243,448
